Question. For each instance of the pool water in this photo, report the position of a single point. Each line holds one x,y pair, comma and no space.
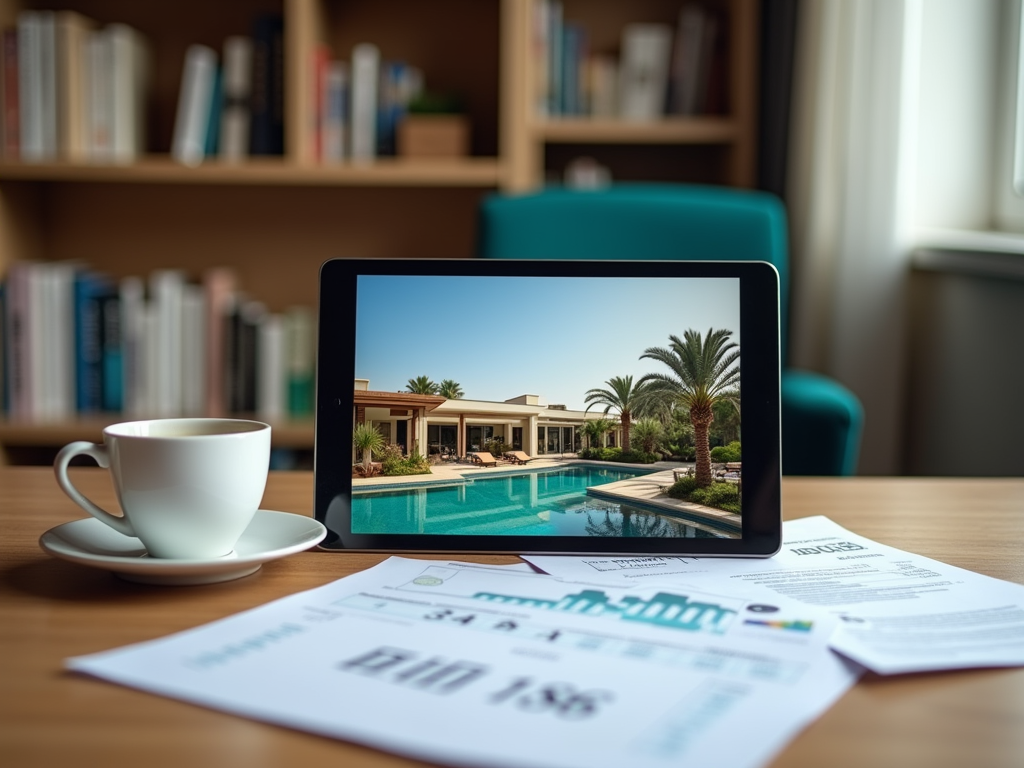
537,503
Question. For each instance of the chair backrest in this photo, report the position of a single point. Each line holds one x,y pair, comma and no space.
640,221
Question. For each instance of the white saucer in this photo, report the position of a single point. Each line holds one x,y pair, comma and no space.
270,535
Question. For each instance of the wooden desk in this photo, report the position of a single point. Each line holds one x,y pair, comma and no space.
50,609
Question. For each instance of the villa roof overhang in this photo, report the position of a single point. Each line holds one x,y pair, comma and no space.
373,399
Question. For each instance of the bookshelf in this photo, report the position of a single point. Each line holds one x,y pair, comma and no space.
274,220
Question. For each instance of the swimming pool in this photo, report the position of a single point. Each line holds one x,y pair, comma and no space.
534,503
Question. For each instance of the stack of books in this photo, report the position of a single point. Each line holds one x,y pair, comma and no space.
75,342
657,71
71,90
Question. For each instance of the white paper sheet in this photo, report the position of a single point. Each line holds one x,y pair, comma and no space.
901,612
468,665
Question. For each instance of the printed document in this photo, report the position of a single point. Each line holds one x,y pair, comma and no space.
469,665
900,612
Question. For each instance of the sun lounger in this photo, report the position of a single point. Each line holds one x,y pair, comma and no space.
518,457
483,458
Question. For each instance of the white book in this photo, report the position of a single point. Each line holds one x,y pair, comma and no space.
193,350
335,98
149,361
72,30
271,372
365,78
130,78
237,84
63,345
166,291
132,321
100,109
195,100
643,83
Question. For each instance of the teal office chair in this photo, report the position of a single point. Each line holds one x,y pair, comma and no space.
821,420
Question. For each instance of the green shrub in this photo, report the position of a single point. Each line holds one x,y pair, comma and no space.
497,448
393,463
724,453
724,496
637,457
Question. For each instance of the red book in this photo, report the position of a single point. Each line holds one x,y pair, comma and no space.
9,103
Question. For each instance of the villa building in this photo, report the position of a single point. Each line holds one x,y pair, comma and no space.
434,424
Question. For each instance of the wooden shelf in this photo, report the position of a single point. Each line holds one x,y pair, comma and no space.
284,434
460,172
683,130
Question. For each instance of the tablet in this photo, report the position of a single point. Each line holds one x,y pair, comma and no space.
619,407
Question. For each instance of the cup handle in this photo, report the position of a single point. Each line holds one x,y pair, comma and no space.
60,469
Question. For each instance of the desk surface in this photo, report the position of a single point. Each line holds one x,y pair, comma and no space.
51,609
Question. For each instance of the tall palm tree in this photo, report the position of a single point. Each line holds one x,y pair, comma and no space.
622,396
421,385
702,372
450,390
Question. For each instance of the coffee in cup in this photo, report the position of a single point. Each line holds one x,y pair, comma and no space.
188,488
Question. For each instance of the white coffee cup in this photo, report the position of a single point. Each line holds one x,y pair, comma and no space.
188,487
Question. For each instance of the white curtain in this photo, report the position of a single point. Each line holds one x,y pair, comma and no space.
851,183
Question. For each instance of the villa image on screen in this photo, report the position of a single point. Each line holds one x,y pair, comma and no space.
547,406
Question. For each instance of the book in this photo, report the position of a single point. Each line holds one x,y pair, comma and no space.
99,118
195,97
237,91
11,148
573,55
365,77
37,87
219,288
602,82
555,59
193,350
72,38
214,113
271,394
646,49
539,47
20,338
300,345
267,104
135,402
112,352
167,287
687,58
129,73
334,131
90,291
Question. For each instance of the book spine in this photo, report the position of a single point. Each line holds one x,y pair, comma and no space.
336,117
267,110
300,346
219,289
10,102
132,321
128,73
18,343
235,117
30,88
72,34
214,114
193,368
100,109
195,97
167,287
365,76
89,290
271,403
112,352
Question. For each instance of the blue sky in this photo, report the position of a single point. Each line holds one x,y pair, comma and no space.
502,337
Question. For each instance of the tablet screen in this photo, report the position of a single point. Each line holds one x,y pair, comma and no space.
548,406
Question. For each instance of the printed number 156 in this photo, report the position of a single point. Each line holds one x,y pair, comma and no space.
561,699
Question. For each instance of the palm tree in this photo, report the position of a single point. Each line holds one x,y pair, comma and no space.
421,385
366,439
450,390
620,395
702,373
648,434
596,429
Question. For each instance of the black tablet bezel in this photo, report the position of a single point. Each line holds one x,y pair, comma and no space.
759,331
